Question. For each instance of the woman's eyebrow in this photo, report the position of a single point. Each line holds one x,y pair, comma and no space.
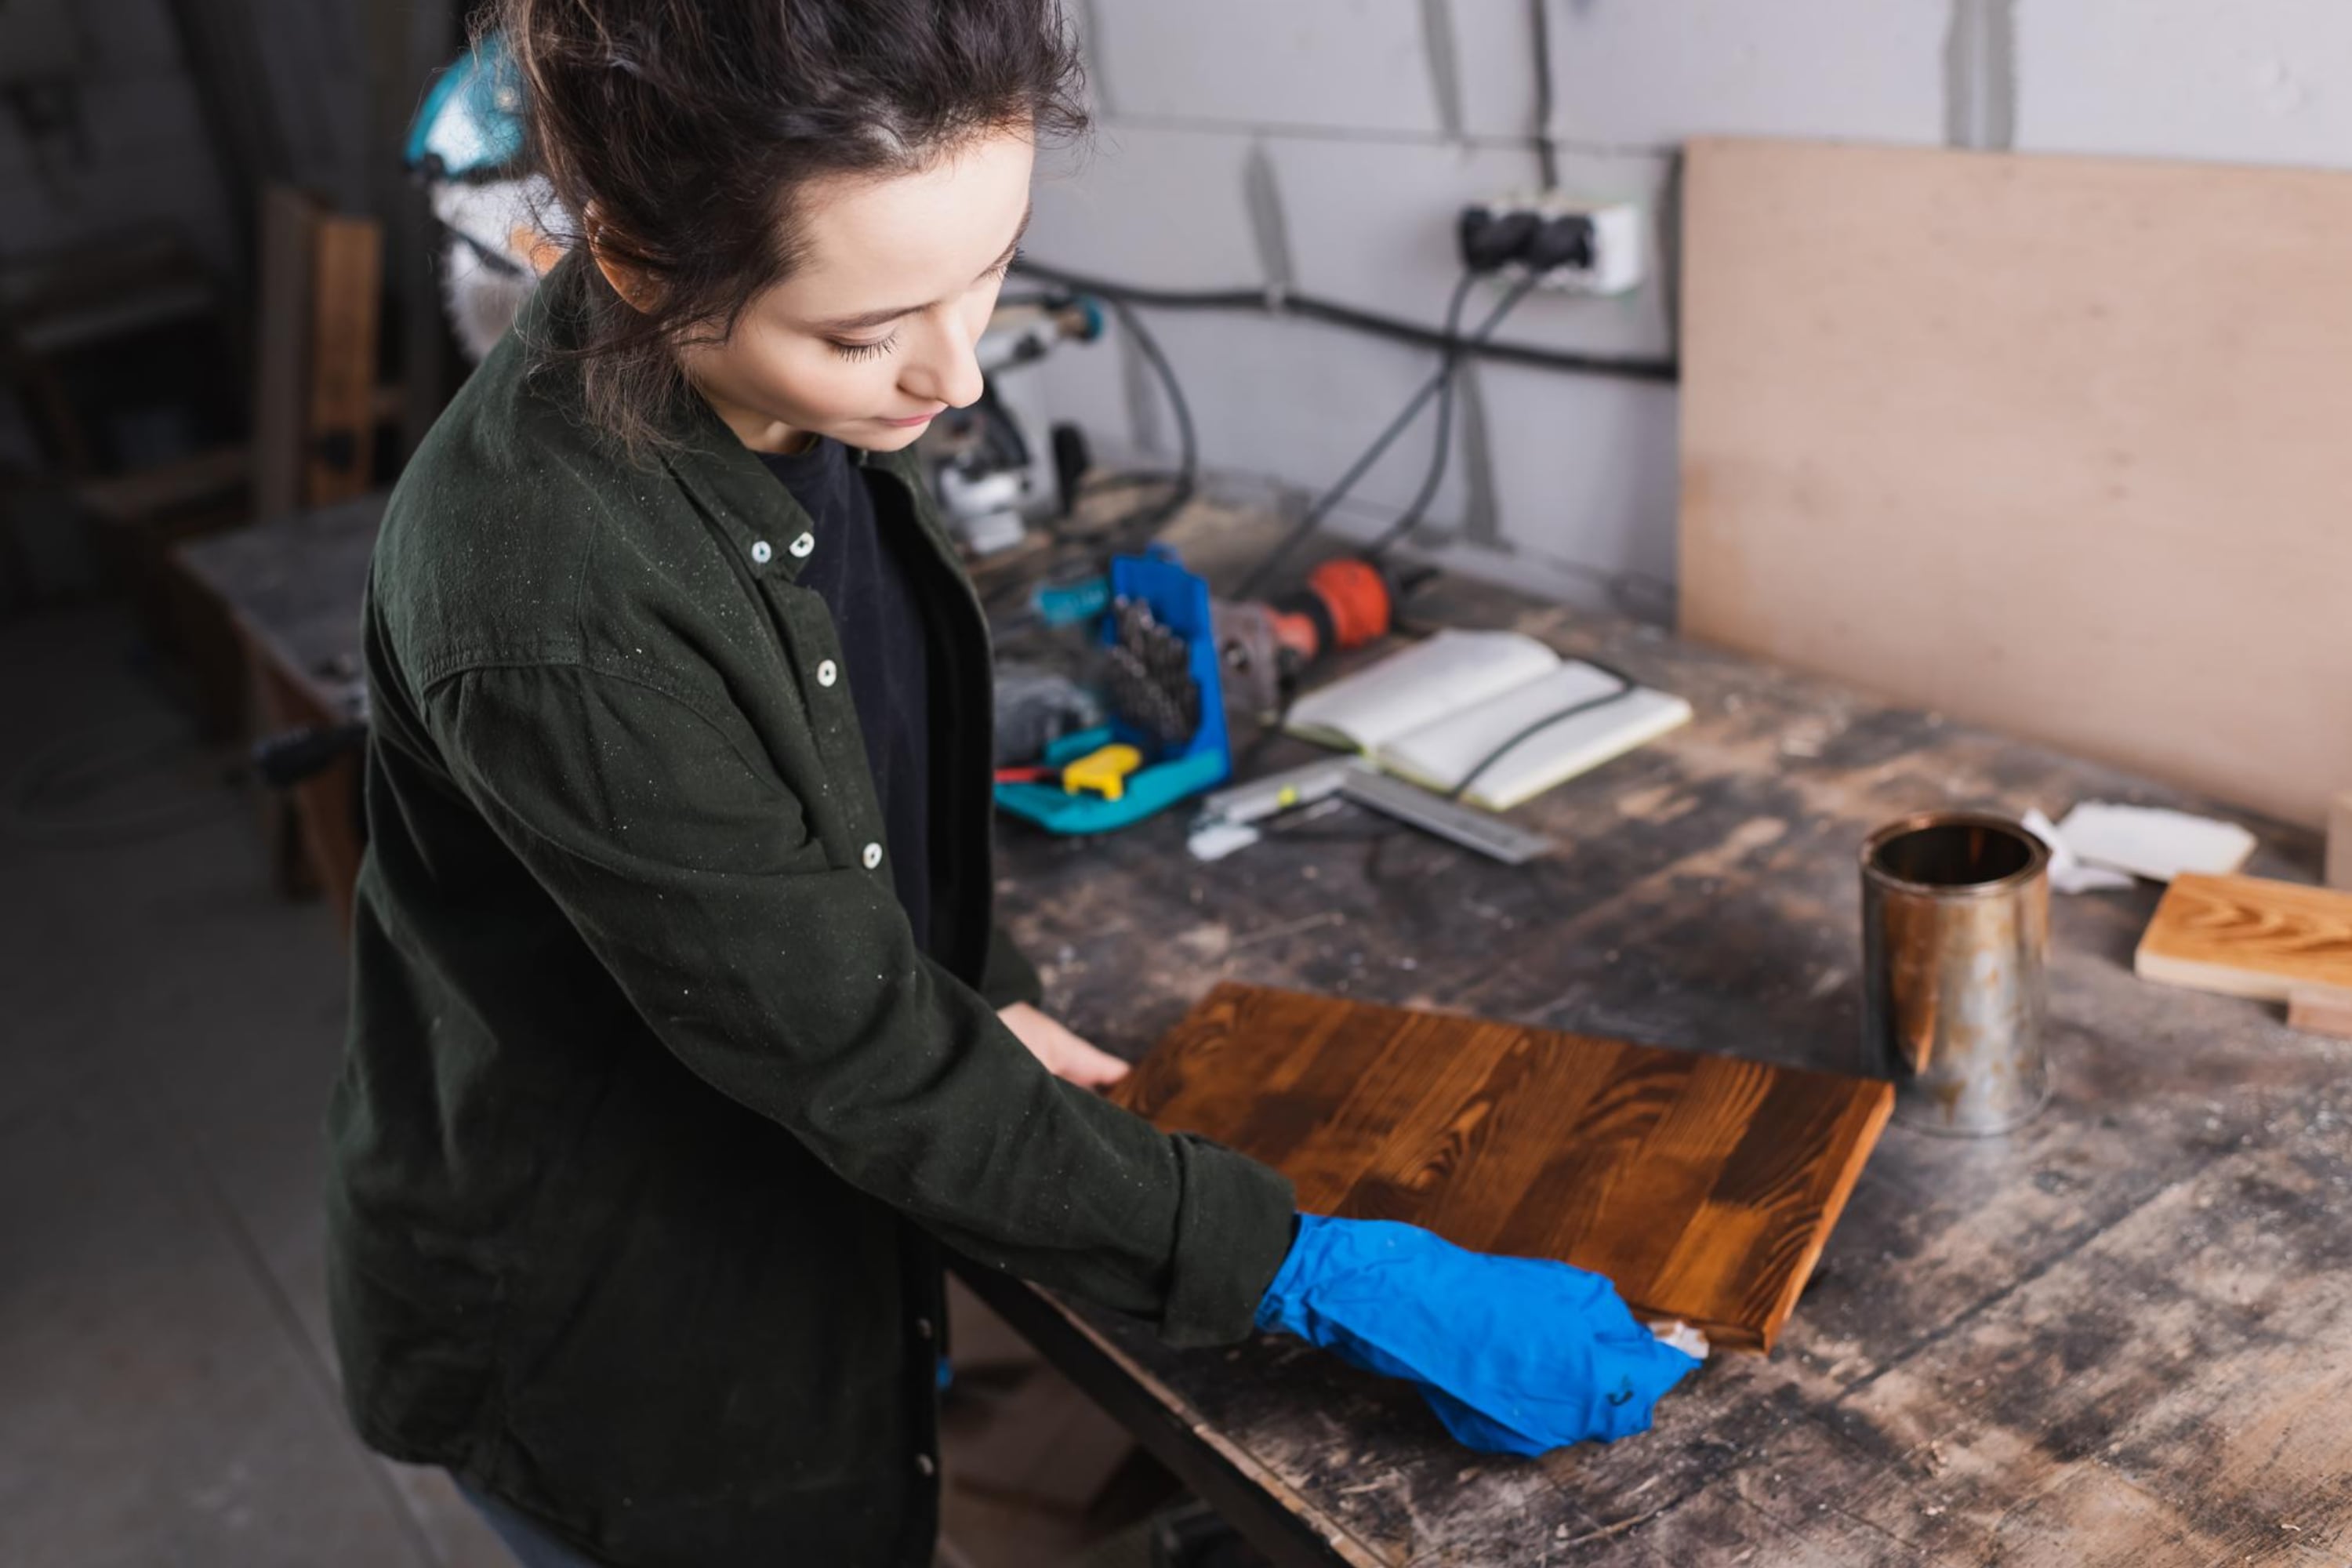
877,317
1006,260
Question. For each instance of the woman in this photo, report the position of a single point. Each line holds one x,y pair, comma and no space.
682,1037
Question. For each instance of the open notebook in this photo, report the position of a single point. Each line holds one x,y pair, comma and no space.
1434,712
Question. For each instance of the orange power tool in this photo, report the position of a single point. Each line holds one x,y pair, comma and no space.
1268,644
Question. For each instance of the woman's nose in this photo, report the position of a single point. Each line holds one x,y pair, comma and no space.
946,369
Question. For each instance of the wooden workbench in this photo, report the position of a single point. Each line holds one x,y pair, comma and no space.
292,588
2122,1335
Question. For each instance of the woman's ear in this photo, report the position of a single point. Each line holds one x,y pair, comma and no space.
635,287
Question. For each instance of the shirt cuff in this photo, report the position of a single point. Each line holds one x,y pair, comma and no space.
1232,1232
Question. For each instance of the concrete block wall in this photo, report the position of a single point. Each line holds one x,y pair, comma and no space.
1323,145
147,157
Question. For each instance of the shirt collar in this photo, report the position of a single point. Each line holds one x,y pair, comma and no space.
755,513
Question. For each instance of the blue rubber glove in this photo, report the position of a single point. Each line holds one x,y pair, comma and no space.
1516,1355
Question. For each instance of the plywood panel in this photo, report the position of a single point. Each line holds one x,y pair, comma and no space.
1703,1185
2244,936
2051,444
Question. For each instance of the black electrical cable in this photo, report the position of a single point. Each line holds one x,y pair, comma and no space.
1147,519
1441,444
1547,156
1132,529
1278,302
1345,482
1626,687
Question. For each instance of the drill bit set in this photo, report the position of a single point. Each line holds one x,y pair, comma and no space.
1149,676
1166,739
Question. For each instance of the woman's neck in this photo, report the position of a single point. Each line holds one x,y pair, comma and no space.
758,431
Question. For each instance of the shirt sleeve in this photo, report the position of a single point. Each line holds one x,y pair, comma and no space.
1008,976
674,848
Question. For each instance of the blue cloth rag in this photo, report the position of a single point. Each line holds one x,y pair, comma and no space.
1516,1355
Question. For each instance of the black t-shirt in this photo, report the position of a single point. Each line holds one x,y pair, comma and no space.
864,580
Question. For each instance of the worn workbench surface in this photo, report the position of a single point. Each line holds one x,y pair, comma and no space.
294,586
2122,1335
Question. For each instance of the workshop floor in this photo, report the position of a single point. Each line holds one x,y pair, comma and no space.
168,1026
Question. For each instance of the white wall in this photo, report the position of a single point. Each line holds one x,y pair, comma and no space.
1326,144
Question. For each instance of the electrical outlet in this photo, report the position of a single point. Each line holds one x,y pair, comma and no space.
1582,247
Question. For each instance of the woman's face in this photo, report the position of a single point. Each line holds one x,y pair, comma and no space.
873,334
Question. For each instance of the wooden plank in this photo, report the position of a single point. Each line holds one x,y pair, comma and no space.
2245,936
2320,1010
340,432
2339,841
2049,443
1703,1185
282,335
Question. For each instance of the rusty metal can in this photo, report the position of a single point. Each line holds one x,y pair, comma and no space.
1956,936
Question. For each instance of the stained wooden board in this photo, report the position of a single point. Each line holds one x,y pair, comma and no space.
1703,1185
2245,936
2054,445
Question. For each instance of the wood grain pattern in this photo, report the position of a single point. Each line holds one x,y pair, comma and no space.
1984,433
2244,936
1703,1185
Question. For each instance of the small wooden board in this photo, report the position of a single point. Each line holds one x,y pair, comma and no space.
1703,1185
2320,1010
2244,936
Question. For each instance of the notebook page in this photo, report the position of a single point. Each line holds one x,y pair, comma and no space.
1439,754
1437,676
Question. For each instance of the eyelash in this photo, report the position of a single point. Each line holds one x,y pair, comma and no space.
883,345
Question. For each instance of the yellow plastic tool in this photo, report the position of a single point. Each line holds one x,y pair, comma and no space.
1103,772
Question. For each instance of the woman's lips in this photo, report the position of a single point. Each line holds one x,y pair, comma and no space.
917,419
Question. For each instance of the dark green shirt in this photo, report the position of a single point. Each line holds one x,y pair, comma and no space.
654,1113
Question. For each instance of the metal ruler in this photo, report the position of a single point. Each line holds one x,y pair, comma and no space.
1358,781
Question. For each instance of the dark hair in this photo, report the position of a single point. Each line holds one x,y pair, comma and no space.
678,133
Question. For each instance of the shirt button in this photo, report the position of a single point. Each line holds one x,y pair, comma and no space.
826,673
873,855
923,1466
801,546
922,1328
761,551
